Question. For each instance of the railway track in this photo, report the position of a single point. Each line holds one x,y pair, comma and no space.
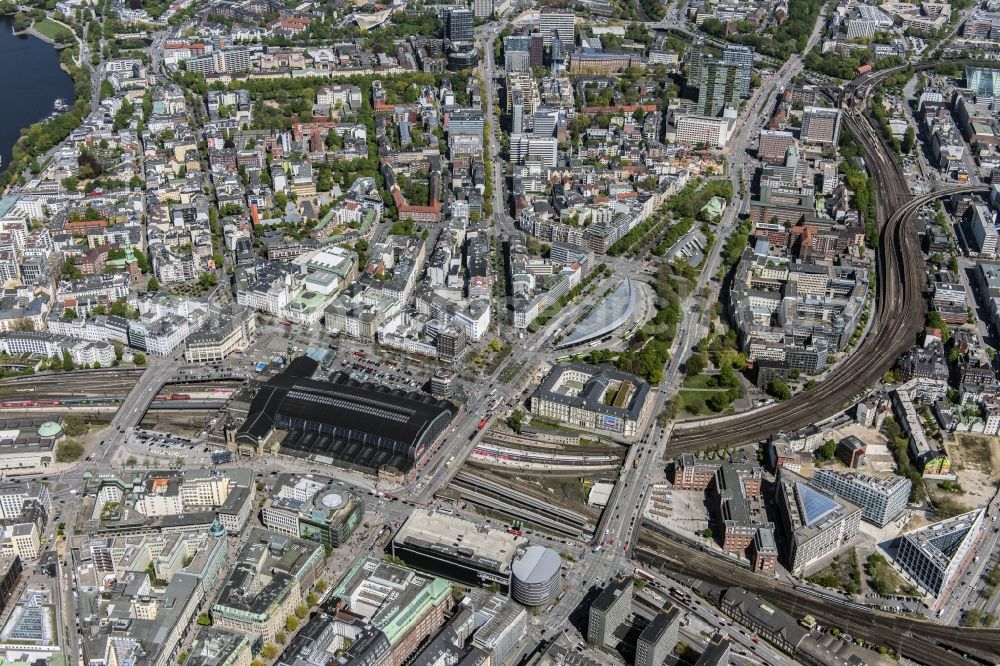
920,640
898,316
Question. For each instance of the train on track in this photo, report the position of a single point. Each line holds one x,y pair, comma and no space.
60,401
503,453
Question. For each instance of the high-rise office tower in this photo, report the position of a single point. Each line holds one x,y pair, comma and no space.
737,54
553,21
544,122
609,610
659,637
517,112
719,87
537,50
483,8
516,53
695,55
460,25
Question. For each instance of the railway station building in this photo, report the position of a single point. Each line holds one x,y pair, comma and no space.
357,425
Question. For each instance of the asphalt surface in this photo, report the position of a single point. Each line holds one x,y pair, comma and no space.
920,640
899,307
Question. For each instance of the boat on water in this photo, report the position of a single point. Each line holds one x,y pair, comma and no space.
59,104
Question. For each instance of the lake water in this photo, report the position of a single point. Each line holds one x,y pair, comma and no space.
30,81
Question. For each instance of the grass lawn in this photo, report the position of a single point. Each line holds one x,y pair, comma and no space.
883,578
541,424
569,489
701,382
693,402
946,506
49,29
841,574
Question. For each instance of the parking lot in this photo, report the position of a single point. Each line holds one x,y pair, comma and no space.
192,451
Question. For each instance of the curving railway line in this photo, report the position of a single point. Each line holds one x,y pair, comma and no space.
919,640
897,317
898,314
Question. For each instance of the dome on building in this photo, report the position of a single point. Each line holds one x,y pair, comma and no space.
332,500
50,429
535,575
217,530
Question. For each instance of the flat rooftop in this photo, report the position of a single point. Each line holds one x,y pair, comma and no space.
460,537
265,569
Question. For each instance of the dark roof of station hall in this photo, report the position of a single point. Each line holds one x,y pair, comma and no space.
378,410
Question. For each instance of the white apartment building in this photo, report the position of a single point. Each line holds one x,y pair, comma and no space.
704,130
982,224
20,539
881,500
13,497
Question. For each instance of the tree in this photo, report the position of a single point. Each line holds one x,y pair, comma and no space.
827,450
131,461
909,140
70,270
21,22
204,620
281,637
153,285
311,599
716,402
67,361
269,651
301,611
69,451
779,389
291,623
75,425
727,377
69,314
321,586
123,310
139,360
515,420
695,365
